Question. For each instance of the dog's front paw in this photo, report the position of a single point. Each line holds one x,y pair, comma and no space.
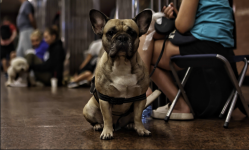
142,131
98,127
106,134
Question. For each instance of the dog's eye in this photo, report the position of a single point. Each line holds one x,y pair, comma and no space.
132,33
110,33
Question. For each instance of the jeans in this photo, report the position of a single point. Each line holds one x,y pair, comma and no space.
24,42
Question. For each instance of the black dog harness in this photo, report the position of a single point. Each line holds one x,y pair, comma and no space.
112,100
115,101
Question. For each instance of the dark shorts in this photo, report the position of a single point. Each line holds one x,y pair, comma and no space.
205,47
88,67
6,50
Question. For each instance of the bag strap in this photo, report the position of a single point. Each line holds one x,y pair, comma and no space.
160,56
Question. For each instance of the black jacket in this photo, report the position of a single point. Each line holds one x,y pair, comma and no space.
55,63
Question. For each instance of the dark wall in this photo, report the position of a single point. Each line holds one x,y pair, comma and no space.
107,6
9,8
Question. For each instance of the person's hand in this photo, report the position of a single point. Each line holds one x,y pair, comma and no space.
5,42
168,11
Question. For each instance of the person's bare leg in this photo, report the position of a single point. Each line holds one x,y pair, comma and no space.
89,79
146,55
163,78
165,82
83,76
5,65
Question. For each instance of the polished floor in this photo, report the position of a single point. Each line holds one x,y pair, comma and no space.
41,118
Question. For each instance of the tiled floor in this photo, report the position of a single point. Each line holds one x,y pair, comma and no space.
36,118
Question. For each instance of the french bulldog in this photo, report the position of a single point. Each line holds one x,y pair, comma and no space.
120,73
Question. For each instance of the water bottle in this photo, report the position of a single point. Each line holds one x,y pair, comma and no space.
147,112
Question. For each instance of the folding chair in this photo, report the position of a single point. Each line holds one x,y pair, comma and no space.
210,60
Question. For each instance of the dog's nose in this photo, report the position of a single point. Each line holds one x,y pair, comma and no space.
122,38
22,69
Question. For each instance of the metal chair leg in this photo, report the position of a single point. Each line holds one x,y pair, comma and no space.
232,94
177,95
226,105
237,86
231,110
181,87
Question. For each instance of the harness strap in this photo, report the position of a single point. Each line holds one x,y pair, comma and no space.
114,101
120,101
160,56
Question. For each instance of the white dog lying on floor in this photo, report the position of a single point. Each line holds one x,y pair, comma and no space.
19,67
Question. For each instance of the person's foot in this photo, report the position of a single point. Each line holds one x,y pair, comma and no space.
160,113
73,85
20,82
181,107
84,83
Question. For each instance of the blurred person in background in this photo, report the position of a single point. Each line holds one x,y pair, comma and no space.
56,21
26,24
7,47
7,22
86,69
53,66
40,47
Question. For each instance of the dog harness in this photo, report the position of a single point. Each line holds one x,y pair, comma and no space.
115,101
112,100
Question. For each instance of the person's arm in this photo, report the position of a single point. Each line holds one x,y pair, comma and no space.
185,17
32,20
10,40
88,58
13,36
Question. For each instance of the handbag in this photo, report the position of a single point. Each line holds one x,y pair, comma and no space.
179,39
166,27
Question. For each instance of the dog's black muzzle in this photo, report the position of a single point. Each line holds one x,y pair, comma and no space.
122,43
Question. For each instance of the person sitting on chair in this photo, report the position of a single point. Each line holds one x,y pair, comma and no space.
86,69
211,23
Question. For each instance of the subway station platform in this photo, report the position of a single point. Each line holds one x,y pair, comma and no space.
39,118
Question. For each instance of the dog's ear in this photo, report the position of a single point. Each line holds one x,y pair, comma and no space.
98,20
143,21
